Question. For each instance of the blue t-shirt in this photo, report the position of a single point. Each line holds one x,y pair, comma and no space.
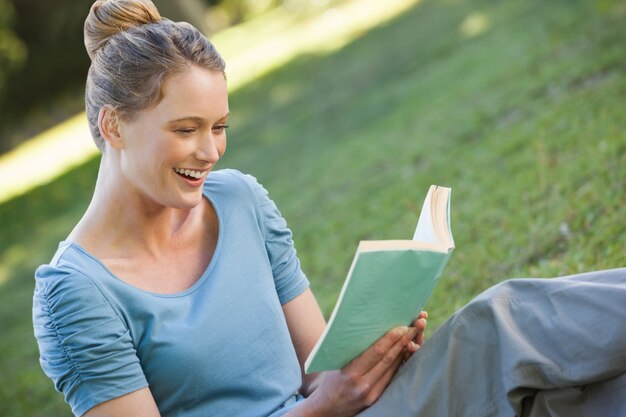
221,347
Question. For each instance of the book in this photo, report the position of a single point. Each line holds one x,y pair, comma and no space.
387,286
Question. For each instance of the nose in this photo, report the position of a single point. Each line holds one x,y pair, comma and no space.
209,148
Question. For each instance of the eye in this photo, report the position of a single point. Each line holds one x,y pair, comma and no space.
186,131
220,128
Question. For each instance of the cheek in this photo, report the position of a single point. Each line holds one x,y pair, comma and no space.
165,151
221,148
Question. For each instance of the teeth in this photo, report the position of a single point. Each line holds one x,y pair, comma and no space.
189,172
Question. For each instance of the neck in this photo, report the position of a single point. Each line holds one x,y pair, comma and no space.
121,217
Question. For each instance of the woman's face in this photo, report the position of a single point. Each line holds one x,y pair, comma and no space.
168,150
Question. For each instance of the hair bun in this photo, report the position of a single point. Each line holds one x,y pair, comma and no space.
109,17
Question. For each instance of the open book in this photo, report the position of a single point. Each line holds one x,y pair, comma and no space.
387,286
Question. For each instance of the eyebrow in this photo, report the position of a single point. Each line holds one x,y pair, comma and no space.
196,119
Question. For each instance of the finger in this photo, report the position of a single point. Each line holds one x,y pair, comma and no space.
420,325
381,384
410,350
378,351
421,315
392,356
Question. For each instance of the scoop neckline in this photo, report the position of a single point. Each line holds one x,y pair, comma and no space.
197,284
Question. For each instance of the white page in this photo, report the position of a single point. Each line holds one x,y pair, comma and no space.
424,231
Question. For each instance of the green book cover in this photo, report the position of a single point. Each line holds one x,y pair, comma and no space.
388,285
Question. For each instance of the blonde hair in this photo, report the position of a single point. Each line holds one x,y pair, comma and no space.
133,50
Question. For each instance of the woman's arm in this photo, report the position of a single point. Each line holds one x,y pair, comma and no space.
139,403
306,324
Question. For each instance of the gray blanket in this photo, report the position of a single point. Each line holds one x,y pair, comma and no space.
526,347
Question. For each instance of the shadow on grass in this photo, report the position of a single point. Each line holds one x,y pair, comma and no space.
32,226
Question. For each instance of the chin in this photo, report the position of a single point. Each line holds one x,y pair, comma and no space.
191,203
186,201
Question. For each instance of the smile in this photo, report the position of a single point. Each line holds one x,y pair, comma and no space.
189,173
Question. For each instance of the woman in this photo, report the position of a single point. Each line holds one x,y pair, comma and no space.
175,278
179,292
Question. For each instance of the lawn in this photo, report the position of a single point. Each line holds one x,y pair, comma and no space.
518,106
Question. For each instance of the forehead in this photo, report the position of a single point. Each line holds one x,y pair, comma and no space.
194,92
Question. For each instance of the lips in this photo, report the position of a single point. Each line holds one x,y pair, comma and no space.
189,173
193,178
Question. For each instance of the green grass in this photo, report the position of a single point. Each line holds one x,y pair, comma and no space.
524,121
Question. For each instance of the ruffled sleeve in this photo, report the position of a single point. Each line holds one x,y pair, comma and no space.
289,278
85,348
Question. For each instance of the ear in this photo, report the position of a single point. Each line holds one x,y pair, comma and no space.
109,126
